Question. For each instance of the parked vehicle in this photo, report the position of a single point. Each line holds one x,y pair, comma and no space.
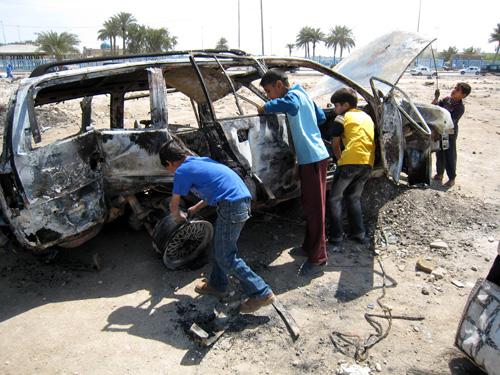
490,68
471,70
60,188
422,71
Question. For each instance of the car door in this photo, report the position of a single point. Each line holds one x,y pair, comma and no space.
60,184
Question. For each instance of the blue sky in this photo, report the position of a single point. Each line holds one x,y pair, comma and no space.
200,23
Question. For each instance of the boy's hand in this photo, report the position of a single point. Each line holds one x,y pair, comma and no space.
436,94
260,110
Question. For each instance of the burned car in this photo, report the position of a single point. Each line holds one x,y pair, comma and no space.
64,174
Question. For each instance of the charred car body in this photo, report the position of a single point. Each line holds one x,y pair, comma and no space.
61,192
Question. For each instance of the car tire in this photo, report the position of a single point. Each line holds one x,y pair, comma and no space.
419,74
181,244
462,73
477,73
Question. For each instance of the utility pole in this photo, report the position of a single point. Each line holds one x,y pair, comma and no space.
419,9
262,26
239,30
3,32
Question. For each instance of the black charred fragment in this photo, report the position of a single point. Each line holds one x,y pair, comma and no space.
149,141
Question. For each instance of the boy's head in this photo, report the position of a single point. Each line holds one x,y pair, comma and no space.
460,91
343,100
275,83
172,155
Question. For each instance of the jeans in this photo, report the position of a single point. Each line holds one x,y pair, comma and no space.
447,159
231,217
348,183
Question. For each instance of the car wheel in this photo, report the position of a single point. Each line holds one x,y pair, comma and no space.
419,74
477,73
181,244
462,73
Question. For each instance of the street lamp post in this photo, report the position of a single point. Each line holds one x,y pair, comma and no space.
262,26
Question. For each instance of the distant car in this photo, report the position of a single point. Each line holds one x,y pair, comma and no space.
491,68
471,70
422,71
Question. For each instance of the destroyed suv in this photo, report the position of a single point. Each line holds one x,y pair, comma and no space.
81,145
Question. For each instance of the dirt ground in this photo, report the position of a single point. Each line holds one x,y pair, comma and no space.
131,316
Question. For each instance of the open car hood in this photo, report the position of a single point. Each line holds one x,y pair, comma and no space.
386,57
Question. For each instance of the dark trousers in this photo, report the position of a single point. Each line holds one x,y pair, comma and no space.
348,183
447,159
313,186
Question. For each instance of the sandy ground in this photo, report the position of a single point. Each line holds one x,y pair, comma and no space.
130,317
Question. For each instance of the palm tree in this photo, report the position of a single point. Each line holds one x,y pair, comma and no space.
495,38
290,46
315,36
222,44
57,44
110,31
303,39
125,20
332,40
345,39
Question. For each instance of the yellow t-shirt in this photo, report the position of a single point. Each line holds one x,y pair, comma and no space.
358,138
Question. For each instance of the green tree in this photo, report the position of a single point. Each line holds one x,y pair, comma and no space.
110,30
56,44
332,40
315,36
160,40
136,35
303,39
345,39
222,44
125,20
471,51
448,54
290,47
495,38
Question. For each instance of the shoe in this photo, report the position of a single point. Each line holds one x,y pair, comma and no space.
438,177
335,240
450,183
253,304
297,251
204,288
309,269
361,239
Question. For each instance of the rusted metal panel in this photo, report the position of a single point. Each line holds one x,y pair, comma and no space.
47,222
158,98
263,145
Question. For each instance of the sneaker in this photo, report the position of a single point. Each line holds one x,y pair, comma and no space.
309,269
251,305
450,183
204,288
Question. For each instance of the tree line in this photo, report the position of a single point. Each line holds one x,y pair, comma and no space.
136,38
339,36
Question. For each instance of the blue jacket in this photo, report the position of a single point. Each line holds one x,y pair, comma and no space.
304,117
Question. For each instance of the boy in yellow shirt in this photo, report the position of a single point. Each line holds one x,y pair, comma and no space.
354,129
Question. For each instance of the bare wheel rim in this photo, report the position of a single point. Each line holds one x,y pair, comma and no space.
187,242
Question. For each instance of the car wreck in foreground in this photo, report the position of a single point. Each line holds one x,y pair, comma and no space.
60,189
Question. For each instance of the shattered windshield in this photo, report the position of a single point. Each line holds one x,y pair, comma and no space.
387,57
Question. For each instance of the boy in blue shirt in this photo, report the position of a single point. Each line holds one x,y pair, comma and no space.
217,185
312,156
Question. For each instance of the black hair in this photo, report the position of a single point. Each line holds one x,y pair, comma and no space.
345,95
172,151
464,87
272,76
